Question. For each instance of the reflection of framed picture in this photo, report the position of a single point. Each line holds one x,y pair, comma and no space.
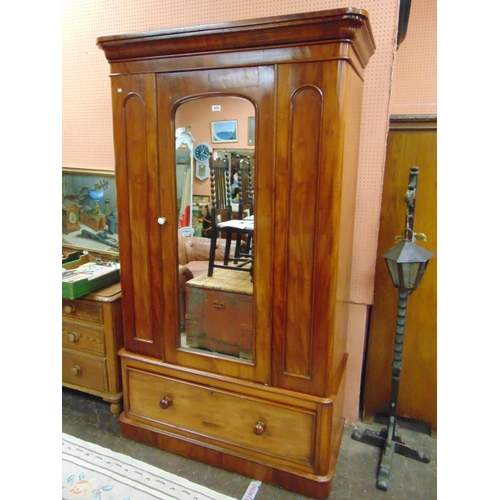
182,156
226,131
251,130
89,212
201,200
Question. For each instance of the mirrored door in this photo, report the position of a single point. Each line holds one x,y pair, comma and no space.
221,107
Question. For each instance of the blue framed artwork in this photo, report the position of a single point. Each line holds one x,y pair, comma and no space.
225,131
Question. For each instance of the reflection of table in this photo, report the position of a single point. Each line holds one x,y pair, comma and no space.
245,224
241,259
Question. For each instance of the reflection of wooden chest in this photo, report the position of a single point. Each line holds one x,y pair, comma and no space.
219,313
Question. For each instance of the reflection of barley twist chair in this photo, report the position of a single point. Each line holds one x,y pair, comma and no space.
244,180
222,219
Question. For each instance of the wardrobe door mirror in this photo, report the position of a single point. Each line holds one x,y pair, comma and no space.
215,145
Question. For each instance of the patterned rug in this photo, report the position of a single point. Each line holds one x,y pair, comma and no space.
90,472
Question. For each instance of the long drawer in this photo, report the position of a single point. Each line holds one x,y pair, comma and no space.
84,370
83,337
225,418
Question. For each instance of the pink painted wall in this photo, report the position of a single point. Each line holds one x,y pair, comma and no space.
414,84
87,120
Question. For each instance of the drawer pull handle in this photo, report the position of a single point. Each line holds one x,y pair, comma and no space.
75,370
259,428
165,402
218,304
68,309
72,337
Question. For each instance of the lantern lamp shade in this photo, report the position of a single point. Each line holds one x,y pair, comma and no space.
407,263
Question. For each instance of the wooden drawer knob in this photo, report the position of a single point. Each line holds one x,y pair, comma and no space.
259,428
72,337
165,402
75,370
69,308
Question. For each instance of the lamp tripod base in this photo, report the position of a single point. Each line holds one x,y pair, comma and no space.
389,445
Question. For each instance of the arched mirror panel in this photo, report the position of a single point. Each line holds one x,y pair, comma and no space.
215,174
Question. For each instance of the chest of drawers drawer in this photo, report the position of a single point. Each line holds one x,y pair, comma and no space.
83,337
223,418
83,309
83,370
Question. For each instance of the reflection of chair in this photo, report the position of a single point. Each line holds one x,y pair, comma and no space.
223,222
244,181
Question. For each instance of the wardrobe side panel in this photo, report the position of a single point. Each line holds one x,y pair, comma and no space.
308,192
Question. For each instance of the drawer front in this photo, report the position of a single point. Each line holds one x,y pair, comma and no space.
225,417
83,337
220,321
83,370
82,309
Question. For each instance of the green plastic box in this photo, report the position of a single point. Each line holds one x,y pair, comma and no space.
82,285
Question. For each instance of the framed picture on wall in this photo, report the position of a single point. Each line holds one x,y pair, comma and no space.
89,211
251,130
225,131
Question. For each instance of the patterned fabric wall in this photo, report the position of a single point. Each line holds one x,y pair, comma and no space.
87,121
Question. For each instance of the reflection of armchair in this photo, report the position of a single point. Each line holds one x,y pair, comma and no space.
194,252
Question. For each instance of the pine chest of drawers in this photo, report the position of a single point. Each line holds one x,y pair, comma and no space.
91,336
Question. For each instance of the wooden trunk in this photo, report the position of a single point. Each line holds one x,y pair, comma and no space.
219,313
274,414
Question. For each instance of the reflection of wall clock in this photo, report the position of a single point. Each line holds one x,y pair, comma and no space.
201,154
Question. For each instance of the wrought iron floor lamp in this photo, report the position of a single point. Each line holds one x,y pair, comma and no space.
407,263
